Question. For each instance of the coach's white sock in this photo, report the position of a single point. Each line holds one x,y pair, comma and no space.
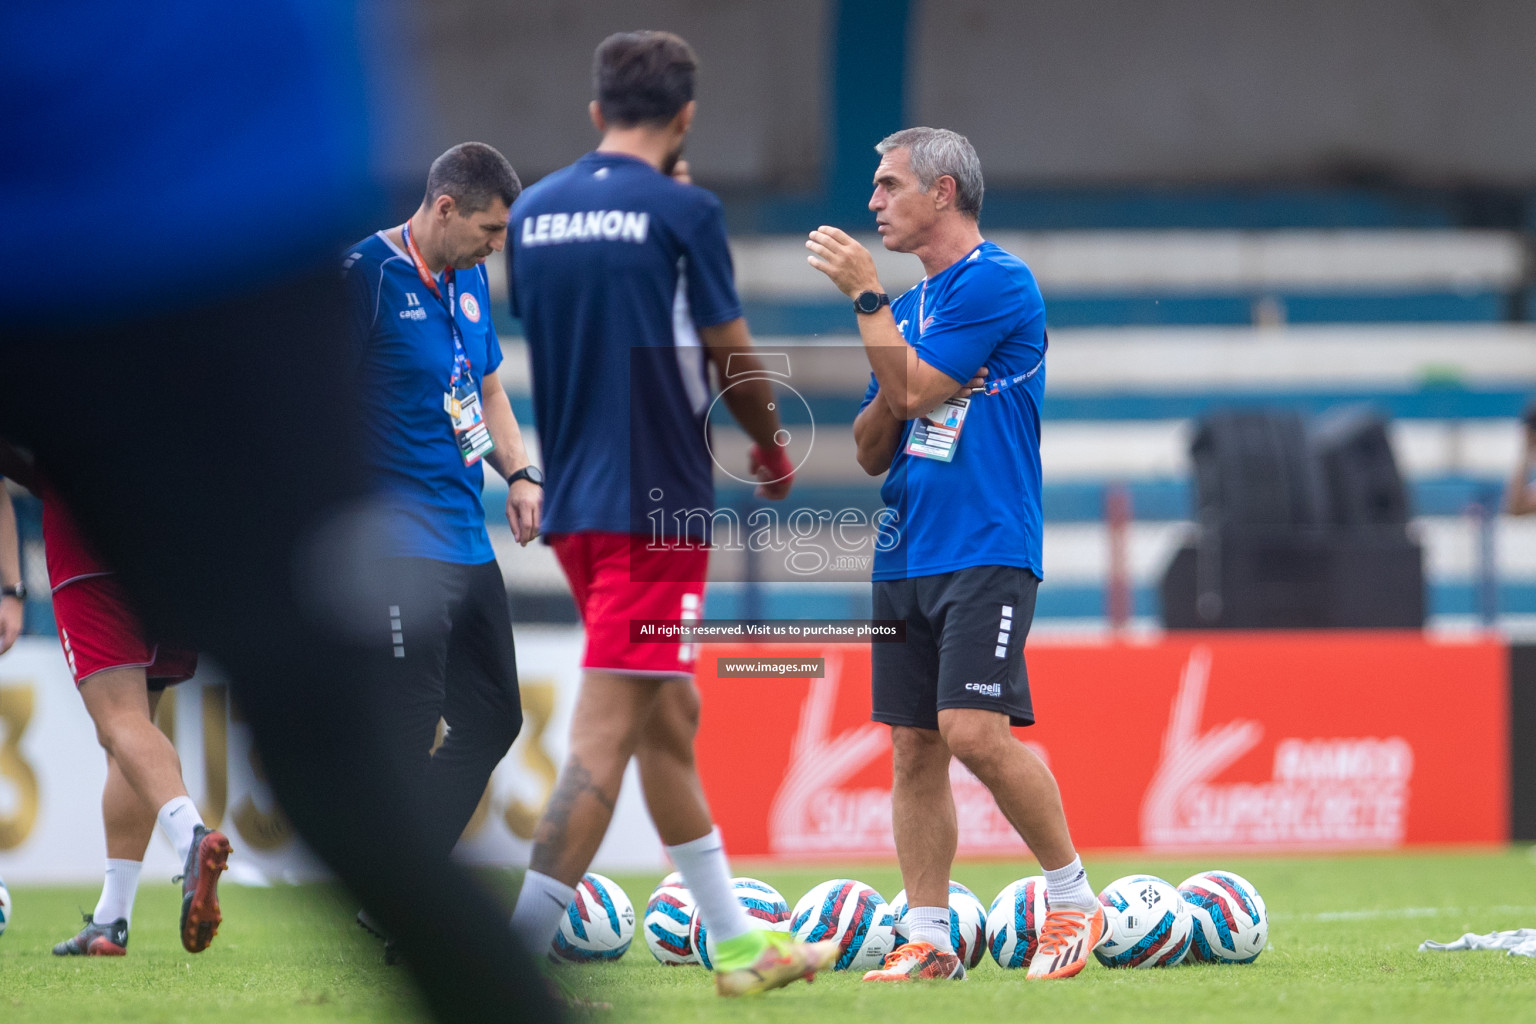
178,820
118,889
708,877
540,903
931,925
1069,886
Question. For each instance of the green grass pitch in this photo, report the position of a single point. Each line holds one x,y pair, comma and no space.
1343,947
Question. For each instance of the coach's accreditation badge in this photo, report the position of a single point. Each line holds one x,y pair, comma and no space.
937,434
469,430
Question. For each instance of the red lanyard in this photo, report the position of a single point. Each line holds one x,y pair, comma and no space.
461,363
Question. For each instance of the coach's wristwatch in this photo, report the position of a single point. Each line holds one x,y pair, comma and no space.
19,591
870,302
530,472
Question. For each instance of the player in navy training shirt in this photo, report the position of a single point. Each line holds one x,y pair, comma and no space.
952,417
621,274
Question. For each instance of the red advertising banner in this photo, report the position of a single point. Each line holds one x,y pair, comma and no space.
1232,741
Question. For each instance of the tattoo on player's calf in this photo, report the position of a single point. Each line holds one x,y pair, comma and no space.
575,780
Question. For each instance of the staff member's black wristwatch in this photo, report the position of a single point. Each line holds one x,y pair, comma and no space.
19,591
870,302
530,472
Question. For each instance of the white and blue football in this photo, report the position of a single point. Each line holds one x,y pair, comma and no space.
852,913
668,921
1231,923
1149,925
599,923
1014,920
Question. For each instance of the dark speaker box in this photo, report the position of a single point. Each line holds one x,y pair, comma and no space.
1361,484
1255,468
1237,578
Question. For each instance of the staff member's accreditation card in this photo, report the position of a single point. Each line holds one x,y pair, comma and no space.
936,434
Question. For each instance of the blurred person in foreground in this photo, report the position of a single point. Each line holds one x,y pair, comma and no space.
622,276
962,479
1520,496
190,389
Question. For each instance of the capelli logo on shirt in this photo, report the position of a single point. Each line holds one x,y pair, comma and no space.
414,313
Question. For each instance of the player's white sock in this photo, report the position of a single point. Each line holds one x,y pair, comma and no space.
178,819
1069,886
540,903
118,888
931,925
705,872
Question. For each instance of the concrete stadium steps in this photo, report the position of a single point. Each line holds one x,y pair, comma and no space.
1138,449
1075,309
1079,552
1410,372
1155,500
1109,262
1173,277
1076,567
1457,403
1125,278
1395,357
1119,410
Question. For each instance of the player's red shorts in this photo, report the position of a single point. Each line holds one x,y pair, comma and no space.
615,578
99,631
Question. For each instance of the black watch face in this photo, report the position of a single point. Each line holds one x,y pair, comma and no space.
533,475
868,302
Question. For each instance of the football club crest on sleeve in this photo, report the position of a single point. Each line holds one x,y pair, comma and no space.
470,307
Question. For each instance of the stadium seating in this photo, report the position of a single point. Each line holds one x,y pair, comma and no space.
1407,322
1150,330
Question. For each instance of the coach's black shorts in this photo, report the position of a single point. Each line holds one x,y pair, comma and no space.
964,648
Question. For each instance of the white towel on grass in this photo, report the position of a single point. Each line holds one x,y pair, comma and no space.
1519,942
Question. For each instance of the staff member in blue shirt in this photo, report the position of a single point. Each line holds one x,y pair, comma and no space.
436,411
962,496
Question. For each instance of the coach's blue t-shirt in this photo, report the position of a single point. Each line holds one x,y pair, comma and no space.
613,267
983,508
405,360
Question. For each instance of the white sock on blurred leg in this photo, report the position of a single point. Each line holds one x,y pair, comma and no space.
705,872
540,903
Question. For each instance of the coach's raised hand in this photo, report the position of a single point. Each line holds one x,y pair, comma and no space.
844,260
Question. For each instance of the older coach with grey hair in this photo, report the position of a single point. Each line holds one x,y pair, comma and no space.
952,418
